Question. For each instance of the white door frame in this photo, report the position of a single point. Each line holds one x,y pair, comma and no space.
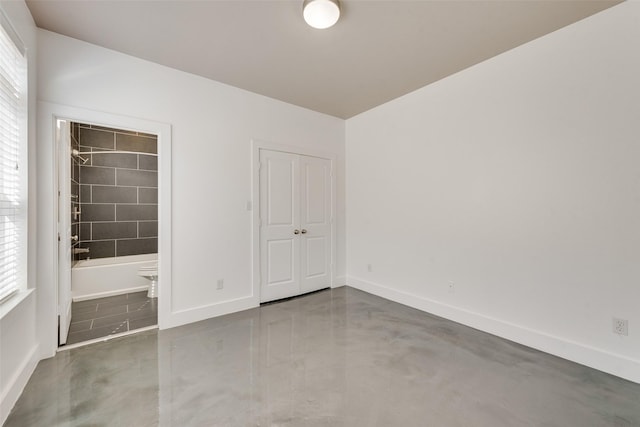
47,182
256,146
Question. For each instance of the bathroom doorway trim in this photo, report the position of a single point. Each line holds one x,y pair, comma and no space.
47,238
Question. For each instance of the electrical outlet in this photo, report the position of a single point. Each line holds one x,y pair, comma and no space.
369,268
620,326
220,284
452,287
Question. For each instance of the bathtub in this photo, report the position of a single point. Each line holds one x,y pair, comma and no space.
103,277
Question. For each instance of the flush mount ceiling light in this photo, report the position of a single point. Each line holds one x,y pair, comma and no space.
321,14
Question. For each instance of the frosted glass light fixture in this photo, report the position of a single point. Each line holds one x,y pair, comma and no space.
321,14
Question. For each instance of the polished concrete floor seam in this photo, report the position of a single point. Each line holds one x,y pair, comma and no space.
341,357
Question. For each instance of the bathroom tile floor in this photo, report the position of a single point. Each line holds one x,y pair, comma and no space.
340,357
101,317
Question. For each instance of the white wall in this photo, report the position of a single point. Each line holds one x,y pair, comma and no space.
18,340
518,181
212,128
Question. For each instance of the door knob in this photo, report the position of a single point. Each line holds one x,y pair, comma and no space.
74,238
296,231
304,231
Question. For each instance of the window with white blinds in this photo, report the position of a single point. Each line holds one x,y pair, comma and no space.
13,141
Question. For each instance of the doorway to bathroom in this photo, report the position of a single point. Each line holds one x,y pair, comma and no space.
107,232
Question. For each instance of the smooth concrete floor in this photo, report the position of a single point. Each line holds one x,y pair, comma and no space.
334,358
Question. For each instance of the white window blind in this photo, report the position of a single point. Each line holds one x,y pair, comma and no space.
13,142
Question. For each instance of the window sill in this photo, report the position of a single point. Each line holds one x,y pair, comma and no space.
13,301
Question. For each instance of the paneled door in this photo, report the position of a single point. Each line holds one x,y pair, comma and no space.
295,224
315,223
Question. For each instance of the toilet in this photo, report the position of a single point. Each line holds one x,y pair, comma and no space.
150,273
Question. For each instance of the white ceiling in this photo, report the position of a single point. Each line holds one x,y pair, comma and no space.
379,50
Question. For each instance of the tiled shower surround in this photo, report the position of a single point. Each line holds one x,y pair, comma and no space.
118,192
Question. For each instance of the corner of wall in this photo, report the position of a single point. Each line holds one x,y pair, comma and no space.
19,351
17,383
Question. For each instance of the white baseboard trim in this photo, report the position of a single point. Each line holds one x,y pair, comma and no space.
16,384
196,314
592,357
339,281
109,293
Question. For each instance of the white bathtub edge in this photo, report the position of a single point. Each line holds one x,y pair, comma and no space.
104,277
110,293
121,260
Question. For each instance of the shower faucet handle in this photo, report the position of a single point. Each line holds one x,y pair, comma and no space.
296,231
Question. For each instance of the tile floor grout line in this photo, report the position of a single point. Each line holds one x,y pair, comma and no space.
126,323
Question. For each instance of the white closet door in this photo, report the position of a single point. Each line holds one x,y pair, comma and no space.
315,213
280,217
